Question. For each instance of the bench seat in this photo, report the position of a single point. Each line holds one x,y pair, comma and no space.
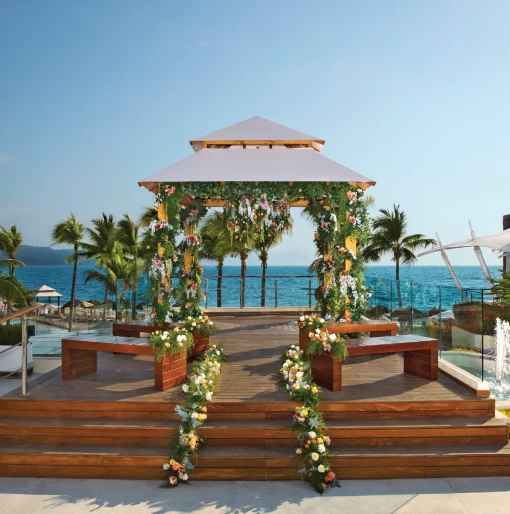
420,357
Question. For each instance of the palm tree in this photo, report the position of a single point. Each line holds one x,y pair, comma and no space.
149,213
262,245
102,237
13,292
119,267
106,279
215,246
70,231
10,243
390,236
242,249
130,237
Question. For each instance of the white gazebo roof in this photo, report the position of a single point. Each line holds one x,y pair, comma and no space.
256,150
255,129
45,291
278,164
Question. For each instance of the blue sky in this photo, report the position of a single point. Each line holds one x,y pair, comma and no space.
96,95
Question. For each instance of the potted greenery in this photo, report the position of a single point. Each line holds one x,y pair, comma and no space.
170,348
200,327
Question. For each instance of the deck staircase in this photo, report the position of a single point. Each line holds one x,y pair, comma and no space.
251,440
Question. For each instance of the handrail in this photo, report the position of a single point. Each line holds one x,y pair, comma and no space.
22,312
258,276
10,347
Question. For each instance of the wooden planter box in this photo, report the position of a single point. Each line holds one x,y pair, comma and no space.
170,371
326,370
201,342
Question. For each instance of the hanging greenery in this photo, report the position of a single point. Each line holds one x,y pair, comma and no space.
338,211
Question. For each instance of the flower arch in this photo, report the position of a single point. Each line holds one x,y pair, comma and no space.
338,211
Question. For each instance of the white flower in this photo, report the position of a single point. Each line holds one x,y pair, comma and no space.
166,466
163,337
321,448
321,468
312,435
315,457
302,318
332,337
200,317
208,396
194,415
322,320
193,324
185,477
185,388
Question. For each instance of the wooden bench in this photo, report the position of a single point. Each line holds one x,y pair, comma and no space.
420,357
79,358
138,328
376,328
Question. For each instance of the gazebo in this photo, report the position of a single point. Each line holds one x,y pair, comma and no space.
256,170
47,292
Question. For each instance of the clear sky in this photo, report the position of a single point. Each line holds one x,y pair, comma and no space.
96,95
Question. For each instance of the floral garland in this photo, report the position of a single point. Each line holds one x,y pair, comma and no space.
198,390
308,421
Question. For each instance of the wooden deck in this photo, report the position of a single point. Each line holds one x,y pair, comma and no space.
384,423
253,347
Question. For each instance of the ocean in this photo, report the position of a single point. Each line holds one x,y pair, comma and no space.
423,286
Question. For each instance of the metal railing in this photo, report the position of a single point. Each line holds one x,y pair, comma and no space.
22,315
237,291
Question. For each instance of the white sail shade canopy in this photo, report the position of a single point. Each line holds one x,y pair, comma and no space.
499,242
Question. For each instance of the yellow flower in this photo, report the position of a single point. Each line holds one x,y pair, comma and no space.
320,440
304,413
314,390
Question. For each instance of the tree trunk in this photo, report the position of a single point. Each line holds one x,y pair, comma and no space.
105,302
244,256
397,276
135,288
134,299
263,259
11,266
219,284
117,303
73,288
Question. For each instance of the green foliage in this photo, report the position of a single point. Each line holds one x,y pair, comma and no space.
201,325
10,334
501,289
13,292
10,242
167,342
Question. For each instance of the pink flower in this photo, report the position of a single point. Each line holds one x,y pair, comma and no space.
299,451
173,480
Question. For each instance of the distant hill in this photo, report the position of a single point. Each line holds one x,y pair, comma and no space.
41,256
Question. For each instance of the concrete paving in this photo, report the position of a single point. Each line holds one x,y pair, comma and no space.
427,496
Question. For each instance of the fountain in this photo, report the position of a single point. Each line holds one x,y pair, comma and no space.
502,379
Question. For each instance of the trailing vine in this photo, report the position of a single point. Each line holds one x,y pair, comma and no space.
308,421
198,390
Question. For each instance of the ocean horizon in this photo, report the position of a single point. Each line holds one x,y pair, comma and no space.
292,287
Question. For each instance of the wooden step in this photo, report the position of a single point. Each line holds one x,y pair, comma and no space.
275,432
216,463
246,410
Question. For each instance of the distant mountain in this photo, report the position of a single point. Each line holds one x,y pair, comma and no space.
41,256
